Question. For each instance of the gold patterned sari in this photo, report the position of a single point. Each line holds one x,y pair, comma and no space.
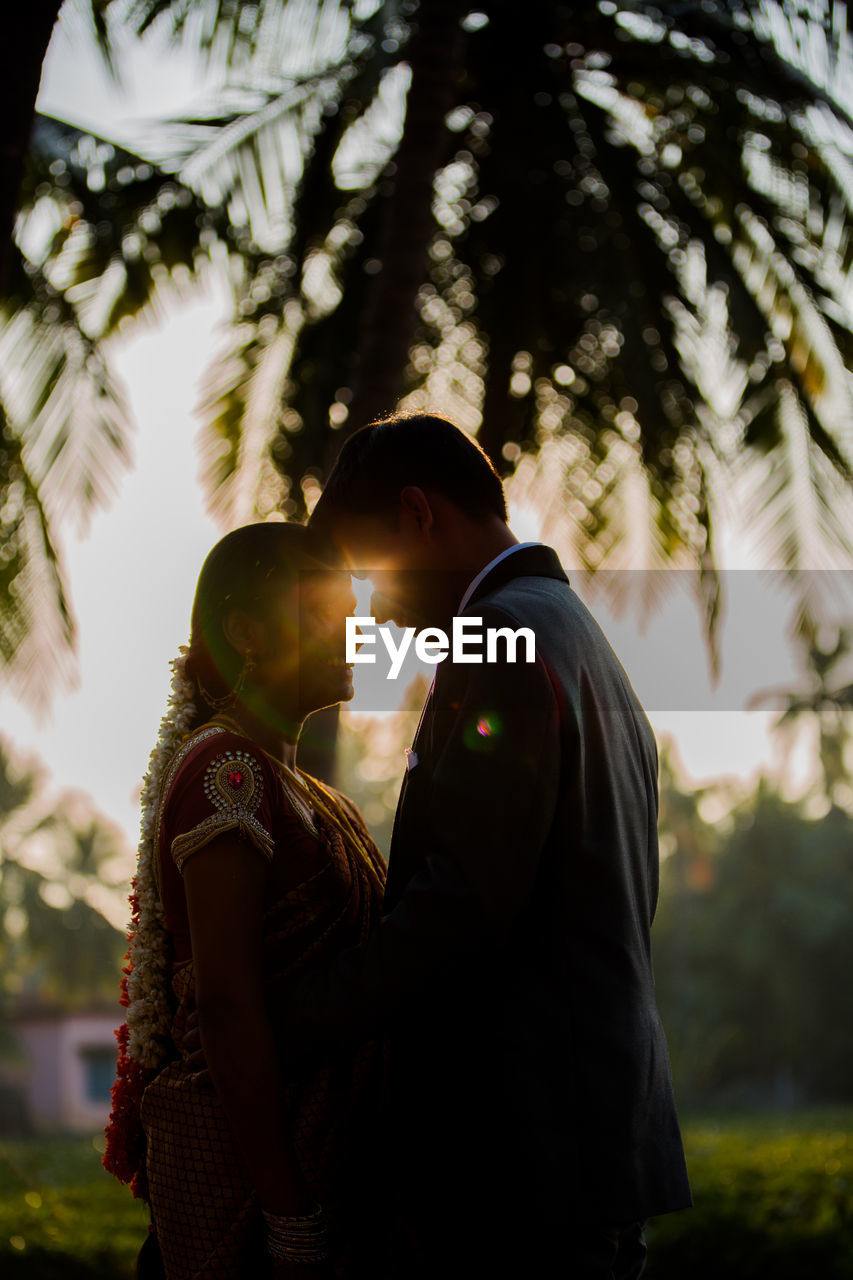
325,884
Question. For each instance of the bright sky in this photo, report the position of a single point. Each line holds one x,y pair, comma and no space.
132,576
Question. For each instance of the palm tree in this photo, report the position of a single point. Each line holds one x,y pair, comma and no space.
635,247
827,703
102,236
612,239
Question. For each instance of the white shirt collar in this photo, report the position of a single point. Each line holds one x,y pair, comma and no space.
475,582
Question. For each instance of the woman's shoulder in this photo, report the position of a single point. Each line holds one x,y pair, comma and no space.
218,782
226,767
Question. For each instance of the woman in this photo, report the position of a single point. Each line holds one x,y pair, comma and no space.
248,871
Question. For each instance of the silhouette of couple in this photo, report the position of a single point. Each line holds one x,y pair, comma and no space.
455,1071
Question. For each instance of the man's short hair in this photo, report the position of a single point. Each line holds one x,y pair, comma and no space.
378,461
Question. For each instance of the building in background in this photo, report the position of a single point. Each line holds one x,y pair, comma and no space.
59,1080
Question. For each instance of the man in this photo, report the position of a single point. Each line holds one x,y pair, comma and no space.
531,1108
530,1126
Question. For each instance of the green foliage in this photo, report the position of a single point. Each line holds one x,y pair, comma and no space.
679,306
771,1198
634,261
57,867
633,249
62,1214
103,236
752,944
826,701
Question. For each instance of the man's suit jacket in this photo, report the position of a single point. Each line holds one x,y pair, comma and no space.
512,966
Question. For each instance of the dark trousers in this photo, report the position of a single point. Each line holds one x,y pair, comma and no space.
447,1231
606,1252
464,1202
583,1251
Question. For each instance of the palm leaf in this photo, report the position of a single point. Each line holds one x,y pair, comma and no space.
252,159
235,32
241,395
123,229
66,410
663,270
801,512
285,303
251,152
36,627
103,235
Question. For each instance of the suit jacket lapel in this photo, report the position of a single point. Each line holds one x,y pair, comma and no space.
396,877
538,561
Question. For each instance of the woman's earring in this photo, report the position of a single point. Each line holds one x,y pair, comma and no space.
245,671
228,699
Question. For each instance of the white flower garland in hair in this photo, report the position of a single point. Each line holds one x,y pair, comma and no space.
148,977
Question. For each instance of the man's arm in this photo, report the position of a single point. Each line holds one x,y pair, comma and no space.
489,808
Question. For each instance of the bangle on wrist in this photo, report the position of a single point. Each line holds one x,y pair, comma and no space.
299,1238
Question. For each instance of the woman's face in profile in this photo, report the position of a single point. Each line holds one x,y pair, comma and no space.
307,644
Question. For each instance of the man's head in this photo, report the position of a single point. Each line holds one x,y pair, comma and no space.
414,503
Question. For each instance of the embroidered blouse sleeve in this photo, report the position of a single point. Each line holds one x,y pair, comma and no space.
224,785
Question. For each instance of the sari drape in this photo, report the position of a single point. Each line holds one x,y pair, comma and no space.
324,894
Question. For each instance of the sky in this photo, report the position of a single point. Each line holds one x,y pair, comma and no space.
132,574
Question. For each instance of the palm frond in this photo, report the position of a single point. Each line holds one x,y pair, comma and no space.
102,31
251,158
65,408
36,627
797,324
252,152
102,235
800,511
234,33
240,408
663,281
110,231
813,45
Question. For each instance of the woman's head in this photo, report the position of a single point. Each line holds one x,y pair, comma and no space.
268,624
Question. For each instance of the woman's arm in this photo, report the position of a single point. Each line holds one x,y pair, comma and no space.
225,896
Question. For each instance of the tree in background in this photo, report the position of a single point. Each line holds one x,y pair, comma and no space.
103,238
625,235
612,238
826,704
61,869
753,941
370,758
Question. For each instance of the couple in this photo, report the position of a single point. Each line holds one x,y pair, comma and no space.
459,1072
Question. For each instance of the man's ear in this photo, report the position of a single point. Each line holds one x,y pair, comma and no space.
243,632
415,507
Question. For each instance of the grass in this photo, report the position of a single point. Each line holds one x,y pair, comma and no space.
63,1215
774,1198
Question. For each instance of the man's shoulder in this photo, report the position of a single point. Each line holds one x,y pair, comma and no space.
547,605
569,641
527,591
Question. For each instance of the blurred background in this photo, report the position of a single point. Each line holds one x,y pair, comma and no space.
612,242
